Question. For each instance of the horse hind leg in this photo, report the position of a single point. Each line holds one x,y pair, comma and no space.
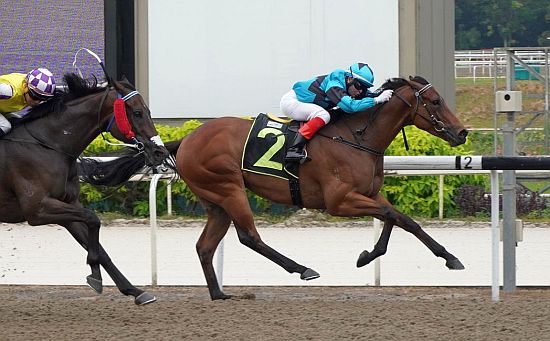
215,229
53,211
80,233
242,216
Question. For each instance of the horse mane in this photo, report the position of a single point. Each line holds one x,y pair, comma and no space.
76,87
395,83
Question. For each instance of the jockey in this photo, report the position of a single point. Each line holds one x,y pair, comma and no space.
309,101
19,92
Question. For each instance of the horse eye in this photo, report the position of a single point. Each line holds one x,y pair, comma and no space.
436,102
138,113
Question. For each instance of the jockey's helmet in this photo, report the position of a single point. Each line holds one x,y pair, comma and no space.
41,84
363,73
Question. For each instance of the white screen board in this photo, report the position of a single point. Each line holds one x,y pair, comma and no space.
212,58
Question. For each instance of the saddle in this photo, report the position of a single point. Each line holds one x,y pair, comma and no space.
266,146
264,153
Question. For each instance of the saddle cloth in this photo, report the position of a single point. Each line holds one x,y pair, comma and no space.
266,146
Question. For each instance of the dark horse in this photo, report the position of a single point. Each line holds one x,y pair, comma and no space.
344,176
38,164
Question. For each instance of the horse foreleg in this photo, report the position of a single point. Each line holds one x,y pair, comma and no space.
356,204
352,204
409,225
215,229
80,233
52,211
380,248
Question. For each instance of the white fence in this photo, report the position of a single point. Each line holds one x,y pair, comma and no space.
420,165
481,63
405,165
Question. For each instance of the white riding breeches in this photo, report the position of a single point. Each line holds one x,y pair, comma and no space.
5,125
300,111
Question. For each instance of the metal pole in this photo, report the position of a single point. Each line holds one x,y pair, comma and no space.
509,192
169,198
509,210
441,183
153,222
495,235
376,233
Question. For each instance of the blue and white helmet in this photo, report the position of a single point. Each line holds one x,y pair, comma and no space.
41,83
363,73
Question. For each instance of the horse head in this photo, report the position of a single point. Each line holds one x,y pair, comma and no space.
133,123
430,113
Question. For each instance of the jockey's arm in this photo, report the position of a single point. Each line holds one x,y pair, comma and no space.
347,103
6,91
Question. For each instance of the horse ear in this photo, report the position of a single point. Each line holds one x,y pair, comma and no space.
411,78
125,79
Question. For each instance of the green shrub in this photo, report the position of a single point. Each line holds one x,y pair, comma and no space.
414,195
133,198
419,195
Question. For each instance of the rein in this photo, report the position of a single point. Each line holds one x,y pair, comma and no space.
438,124
358,146
355,145
38,142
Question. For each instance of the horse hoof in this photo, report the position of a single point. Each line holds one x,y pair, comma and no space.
144,298
454,264
309,274
364,259
95,284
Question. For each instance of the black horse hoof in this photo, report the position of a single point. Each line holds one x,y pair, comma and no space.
309,274
144,298
95,284
364,259
454,264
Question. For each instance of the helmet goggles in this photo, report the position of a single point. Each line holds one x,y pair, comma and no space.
38,97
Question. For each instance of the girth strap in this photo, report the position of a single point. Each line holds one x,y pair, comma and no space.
295,193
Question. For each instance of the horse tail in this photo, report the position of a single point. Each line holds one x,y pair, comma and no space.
129,162
110,173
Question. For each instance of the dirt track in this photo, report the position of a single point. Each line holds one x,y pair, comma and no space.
275,313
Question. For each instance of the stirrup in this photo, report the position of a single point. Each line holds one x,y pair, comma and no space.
295,156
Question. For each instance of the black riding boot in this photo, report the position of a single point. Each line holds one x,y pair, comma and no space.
296,151
2,133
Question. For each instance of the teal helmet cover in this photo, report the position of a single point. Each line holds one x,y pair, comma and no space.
363,73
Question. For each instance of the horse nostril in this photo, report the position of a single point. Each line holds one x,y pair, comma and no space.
463,133
159,154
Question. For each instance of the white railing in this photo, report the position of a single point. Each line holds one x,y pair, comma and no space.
480,63
394,165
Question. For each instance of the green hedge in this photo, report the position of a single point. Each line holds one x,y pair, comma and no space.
419,195
414,195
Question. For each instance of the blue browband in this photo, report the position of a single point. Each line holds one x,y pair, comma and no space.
130,95
125,98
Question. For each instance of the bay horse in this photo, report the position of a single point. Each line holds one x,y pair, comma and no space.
38,163
344,176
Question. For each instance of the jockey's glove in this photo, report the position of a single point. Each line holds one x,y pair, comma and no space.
383,97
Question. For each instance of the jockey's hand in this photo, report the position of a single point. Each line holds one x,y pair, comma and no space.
383,97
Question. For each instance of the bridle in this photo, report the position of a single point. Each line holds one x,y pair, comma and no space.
433,118
121,117
121,120
438,125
